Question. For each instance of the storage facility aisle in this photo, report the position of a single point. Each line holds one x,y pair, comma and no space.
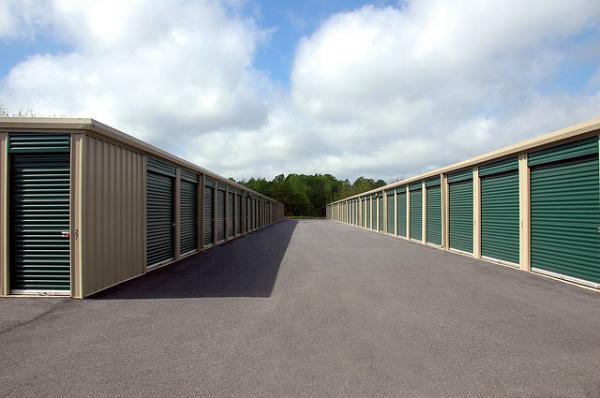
310,308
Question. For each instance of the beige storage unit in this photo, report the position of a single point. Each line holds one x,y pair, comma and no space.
100,181
533,205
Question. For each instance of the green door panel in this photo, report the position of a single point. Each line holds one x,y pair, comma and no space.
416,214
238,214
572,150
434,215
230,213
391,206
220,216
380,210
500,216
565,217
160,218
39,214
401,213
374,213
461,215
209,216
189,216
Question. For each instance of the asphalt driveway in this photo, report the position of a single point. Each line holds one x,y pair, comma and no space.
310,309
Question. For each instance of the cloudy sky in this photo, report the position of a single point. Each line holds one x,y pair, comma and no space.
257,88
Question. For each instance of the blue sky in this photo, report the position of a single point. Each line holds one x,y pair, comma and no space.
344,87
291,20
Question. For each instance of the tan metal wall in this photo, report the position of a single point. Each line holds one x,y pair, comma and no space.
112,226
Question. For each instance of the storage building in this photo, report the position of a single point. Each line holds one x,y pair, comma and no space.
84,207
534,206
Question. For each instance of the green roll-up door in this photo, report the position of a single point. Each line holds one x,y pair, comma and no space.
391,205
230,213
374,212
500,211
209,215
380,210
238,214
254,207
565,211
221,216
160,218
356,212
460,214
248,214
364,212
401,212
40,184
416,213
434,215
189,216
349,212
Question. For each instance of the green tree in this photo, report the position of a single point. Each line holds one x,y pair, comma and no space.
308,195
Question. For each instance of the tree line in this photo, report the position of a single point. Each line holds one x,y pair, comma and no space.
307,195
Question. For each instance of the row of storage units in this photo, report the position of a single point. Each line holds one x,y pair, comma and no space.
84,207
533,206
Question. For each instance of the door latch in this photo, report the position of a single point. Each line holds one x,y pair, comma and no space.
67,234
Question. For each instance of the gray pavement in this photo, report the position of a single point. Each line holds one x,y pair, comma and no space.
310,309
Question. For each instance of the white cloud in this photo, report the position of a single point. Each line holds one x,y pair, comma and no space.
378,91
437,81
21,18
160,70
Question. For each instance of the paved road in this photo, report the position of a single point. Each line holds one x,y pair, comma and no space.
310,309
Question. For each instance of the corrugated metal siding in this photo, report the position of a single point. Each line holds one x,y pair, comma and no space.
230,213
209,215
160,218
416,214
461,215
565,217
391,205
434,215
220,218
39,213
189,216
112,231
401,212
500,216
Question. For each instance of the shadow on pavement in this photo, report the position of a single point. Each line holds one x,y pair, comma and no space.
244,267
